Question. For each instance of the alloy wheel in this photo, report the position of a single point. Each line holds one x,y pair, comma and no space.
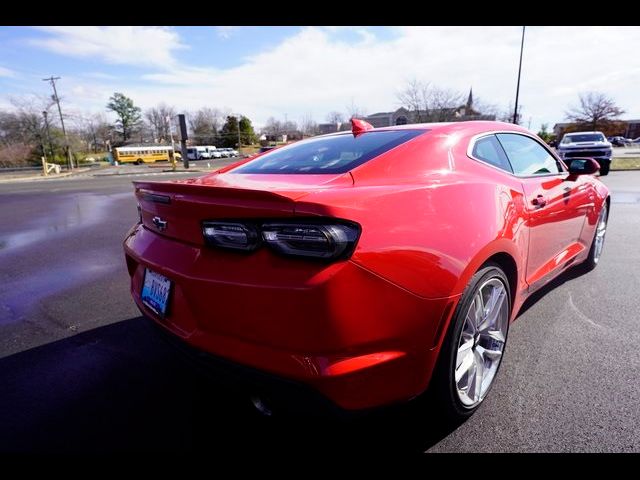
481,343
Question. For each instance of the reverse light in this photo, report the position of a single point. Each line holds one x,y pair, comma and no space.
323,241
237,236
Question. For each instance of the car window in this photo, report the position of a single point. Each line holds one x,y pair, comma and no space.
527,157
331,154
489,150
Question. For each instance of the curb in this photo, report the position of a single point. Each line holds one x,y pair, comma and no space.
43,178
119,174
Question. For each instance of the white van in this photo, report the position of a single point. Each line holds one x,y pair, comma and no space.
198,153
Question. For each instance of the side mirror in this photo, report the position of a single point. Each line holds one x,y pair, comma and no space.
583,166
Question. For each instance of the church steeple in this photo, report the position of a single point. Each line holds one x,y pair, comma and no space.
470,99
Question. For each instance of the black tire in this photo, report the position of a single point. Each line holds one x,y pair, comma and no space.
604,168
443,388
592,260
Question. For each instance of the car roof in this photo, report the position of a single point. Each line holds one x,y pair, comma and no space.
475,126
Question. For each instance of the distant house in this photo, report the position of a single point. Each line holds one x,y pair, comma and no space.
633,129
403,116
325,128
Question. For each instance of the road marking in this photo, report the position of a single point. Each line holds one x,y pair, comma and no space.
581,315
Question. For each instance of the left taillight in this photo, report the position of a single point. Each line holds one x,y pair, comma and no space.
237,236
325,241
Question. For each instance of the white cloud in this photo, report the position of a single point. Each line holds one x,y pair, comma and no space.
316,71
142,46
225,32
6,72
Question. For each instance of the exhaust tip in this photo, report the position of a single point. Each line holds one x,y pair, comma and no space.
261,406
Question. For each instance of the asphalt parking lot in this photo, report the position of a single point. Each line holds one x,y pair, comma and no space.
81,371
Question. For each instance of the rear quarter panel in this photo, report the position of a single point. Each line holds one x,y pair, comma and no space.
430,235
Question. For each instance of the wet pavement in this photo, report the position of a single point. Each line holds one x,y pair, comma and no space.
82,371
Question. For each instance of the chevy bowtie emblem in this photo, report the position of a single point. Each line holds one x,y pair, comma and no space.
160,223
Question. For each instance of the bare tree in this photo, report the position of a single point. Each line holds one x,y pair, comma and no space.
595,111
441,104
308,126
22,130
416,97
95,131
355,111
273,127
205,124
159,118
335,117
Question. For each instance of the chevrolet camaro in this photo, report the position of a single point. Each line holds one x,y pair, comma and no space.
367,266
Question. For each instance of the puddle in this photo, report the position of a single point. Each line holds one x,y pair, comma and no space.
22,294
67,214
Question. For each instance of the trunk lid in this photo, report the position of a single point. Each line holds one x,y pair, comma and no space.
176,209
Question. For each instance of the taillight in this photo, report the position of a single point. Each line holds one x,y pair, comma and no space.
327,241
238,236
139,214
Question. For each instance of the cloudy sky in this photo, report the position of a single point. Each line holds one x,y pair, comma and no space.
296,71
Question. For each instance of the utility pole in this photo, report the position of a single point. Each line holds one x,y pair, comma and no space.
182,124
515,112
52,80
46,124
238,134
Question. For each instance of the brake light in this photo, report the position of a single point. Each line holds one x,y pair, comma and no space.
327,241
238,236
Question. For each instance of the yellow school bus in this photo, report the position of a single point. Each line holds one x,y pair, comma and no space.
139,155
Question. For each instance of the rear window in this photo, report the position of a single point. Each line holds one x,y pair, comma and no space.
333,154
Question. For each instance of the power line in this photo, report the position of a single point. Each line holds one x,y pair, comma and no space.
52,80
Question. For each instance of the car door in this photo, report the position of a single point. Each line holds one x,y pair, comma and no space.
556,205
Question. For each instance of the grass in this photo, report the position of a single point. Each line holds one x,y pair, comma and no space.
631,163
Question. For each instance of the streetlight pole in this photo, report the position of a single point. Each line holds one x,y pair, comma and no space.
238,134
46,124
515,112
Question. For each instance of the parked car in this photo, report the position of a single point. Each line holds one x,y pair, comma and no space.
365,266
586,145
618,141
213,151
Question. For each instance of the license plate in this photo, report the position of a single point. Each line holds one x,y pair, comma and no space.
155,291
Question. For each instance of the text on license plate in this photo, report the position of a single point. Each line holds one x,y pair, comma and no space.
155,291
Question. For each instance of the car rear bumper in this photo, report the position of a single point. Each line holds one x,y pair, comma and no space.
356,338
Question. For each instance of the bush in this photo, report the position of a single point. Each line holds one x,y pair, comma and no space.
17,155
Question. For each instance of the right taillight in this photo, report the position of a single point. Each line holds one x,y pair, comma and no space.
325,241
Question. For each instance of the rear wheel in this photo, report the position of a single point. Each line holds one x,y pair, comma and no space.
597,244
472,351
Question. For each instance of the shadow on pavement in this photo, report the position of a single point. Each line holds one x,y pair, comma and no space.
567,275
123,388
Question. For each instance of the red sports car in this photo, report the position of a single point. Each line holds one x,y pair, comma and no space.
367,265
